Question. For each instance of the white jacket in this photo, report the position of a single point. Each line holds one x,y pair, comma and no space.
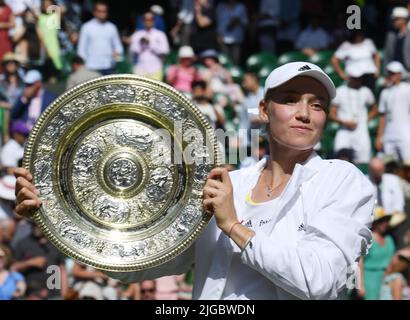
332,199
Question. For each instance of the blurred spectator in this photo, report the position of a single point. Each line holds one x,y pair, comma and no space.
8,228
181,75
397,44
394,109
80,73
92,282
148,290
11,83
288,31
214,114
48,25
339,33
28,42
313,38
249,117
214,73
394,286
358,52
379,256
350,110
181,32
159,21
19,8
167,288
34,100
99,43
268,19
345,154
6,23
203,34
12,284
389,194
149,47
232,20
130,291
33,255
405,181
12,152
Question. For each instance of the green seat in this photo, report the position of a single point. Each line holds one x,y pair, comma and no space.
292,56
322,58
328,138
256,61
124,65
264,71
225,60
363,167
330,71
379,85
171,58
236,73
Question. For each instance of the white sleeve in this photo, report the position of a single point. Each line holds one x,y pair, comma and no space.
335,238
383,102
341,52
82,42
398,195
116,42
179,265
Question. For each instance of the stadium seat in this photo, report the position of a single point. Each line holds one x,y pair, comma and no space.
256,61
322,58
171,58
292,56
236,73
124,66
330,71
363,167
225,60
264,72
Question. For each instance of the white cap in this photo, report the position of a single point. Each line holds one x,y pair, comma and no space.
32,76
400,12
157,9
186,52
354,71
395,67
291,70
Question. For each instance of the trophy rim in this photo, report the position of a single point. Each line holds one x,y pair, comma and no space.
38,215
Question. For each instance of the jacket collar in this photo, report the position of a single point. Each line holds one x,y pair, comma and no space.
302,172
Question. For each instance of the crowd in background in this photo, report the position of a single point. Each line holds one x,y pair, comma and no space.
218,54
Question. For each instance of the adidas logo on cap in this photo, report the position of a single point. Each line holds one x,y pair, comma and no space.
305,68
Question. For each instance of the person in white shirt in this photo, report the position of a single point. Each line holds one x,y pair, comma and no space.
149,46
358,52
350,111
394,107
389,193
289,227
99,43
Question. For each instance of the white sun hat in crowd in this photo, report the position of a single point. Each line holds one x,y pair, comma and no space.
395,67
291,70
400,12
186,52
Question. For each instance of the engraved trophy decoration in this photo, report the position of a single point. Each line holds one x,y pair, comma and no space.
120,163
